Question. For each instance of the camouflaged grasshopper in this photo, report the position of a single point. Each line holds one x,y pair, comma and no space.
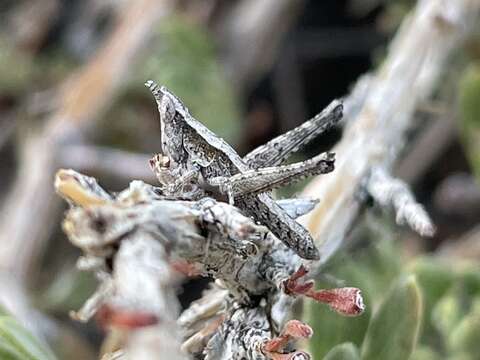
195,163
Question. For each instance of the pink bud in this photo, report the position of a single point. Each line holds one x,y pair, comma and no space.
293,330
297,330
346,301
108,316
296,355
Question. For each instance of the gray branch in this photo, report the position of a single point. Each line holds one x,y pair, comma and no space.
132,240
388,191
375,132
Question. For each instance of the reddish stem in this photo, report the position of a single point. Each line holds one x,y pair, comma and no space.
346,301
108,316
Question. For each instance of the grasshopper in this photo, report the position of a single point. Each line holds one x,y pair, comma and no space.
196,163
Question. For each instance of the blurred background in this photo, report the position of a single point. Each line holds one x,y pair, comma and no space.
72,95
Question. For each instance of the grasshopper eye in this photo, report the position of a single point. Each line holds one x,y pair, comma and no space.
159,161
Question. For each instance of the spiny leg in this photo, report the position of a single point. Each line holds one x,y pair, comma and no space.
262,180
266,211
277,150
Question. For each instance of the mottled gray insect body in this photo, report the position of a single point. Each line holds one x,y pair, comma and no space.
277,150
257,181
204,164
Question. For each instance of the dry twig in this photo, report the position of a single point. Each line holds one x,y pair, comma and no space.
376,134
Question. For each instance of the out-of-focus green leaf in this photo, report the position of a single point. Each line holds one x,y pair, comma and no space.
3,310
185,61
462,356
469,102
18,344
9,352
447,313
182,57
11,58
69,290
470,279
435,279
393,330
372,270
464,339
447,294
330,328
346,351
28,71
424,353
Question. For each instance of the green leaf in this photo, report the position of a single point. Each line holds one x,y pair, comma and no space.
470,280
3,310
424,353
447,313
393,330
464,339
69,290
435,278
17,343
462,356
330,328
9,352
345,351
186,62
469,102
372,270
